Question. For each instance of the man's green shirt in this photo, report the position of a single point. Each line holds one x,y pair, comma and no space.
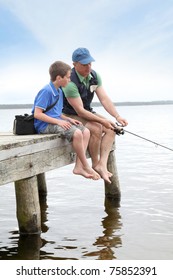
71,89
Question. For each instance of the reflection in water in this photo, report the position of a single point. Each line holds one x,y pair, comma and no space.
27,247
110,238
31,247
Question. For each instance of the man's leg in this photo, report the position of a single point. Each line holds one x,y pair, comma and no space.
95,141
95,137
99,145
106,144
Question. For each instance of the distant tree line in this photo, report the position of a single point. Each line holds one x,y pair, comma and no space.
94,104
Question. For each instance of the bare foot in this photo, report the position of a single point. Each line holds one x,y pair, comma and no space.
82,172
100,168
88,173
109,174
96,175
104,174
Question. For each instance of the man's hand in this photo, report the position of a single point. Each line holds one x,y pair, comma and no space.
108,124
122,121
74,121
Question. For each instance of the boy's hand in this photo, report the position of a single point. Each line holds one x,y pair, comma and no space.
64,124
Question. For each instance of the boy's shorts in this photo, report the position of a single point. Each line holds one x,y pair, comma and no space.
63,133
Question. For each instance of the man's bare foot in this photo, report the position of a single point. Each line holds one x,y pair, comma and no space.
109,174
88,173
105,175
96,175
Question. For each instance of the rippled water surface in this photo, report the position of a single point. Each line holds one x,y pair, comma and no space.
77,221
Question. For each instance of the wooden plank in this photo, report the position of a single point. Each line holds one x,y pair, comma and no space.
10,151
25,166
9,140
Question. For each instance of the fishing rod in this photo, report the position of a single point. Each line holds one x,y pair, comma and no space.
121,131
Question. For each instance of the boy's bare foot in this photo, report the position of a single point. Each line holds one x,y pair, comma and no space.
82,173
88,173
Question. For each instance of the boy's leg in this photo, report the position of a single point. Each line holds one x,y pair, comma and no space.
75,135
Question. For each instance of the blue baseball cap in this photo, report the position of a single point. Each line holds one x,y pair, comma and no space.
82,55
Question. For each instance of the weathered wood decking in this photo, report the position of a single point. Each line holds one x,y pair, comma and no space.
25,156
25,159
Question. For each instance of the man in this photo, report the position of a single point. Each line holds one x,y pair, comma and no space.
77,104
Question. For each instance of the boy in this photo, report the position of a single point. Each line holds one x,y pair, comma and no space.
53,121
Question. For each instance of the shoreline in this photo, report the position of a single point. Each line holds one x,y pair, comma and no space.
94,104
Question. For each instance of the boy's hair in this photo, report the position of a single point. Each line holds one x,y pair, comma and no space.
58,68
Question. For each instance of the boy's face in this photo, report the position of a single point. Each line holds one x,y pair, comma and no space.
66,79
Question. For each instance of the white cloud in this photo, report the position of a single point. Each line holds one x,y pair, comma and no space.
63,25
130,78
131,41
21,82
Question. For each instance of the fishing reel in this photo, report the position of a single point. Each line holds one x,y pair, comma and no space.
119,130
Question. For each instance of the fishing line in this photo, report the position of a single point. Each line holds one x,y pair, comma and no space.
122,130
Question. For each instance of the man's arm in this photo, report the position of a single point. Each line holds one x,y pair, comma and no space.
109,106
77,104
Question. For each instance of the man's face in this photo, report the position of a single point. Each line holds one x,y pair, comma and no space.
83,69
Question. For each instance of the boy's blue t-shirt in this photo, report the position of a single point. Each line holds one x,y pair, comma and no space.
46,97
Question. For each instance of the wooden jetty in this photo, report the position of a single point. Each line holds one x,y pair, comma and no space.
24,161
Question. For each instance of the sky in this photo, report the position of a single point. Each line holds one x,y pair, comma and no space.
131,41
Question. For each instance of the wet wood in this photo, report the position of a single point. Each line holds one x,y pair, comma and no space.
112,191
42,186
28,207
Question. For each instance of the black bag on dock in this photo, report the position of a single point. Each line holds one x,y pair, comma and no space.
24,125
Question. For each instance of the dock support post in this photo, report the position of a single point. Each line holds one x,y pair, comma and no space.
28,207
42,187
112,191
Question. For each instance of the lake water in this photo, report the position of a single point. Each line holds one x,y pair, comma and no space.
77,222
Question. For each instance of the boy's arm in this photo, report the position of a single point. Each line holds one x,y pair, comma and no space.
38,114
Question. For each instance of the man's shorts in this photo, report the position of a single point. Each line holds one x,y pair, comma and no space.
63,133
